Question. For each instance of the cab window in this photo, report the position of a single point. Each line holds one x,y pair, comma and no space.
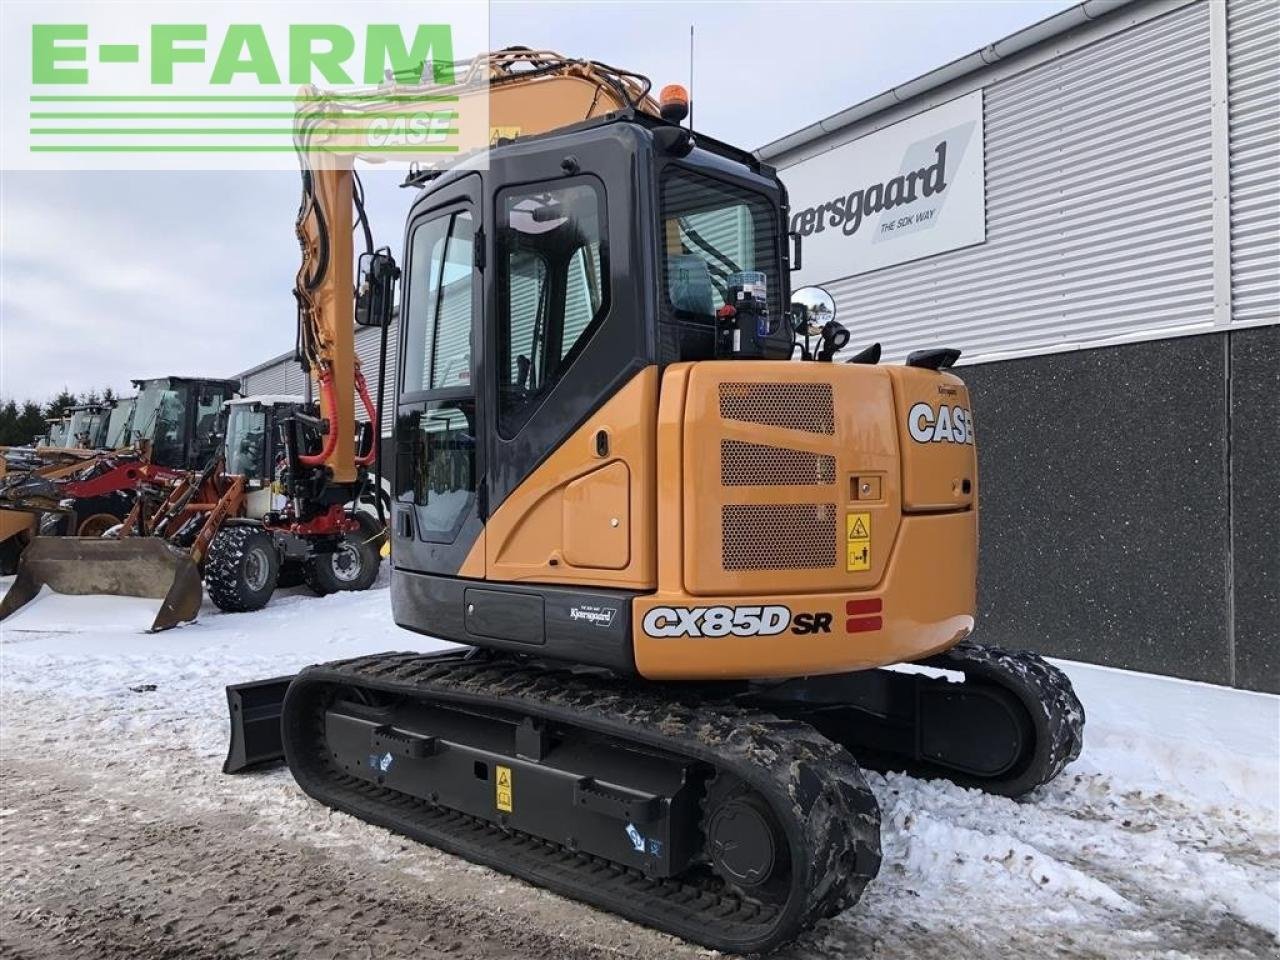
552,289
438,315
716,236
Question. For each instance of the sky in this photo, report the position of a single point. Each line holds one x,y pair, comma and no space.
108,276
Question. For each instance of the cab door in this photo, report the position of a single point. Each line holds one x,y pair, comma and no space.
438,509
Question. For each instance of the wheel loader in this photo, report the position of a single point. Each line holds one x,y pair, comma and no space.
55,504
257,516
700,568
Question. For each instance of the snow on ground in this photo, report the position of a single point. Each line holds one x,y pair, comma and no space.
1162,840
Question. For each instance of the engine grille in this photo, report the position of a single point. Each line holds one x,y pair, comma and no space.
782,536
757,464
795,406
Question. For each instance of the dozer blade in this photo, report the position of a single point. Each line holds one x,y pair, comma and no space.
132,567
255,723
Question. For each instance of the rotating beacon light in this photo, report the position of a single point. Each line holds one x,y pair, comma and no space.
673,103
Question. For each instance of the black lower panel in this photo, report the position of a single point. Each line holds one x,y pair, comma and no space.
584,625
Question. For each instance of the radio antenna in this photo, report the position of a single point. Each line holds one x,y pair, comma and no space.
691,76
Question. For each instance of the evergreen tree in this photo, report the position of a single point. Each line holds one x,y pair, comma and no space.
53,409
30,422
9,426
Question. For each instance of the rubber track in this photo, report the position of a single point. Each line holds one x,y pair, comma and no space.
1045,692
815,787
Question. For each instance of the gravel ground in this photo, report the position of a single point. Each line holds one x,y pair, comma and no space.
119,837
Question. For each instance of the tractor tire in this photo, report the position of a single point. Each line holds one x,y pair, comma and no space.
352,566
10,554
292,574
94,516
98,524
241,569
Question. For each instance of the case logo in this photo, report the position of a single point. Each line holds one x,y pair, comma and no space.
945,425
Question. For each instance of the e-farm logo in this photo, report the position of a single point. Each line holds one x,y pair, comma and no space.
141,79
315,51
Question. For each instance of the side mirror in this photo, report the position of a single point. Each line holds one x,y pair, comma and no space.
813,306
375,292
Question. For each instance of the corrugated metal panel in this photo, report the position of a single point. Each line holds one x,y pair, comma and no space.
269,380
1099,206
1253,98
368,343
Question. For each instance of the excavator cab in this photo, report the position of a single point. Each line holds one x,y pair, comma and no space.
595,419
87,427
578,263
180,418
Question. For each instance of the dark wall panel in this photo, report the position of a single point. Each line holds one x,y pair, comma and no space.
1255,505
1105,532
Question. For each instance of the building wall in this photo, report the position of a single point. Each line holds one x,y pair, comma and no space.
1130,505
1099,189
1120,340
1253,71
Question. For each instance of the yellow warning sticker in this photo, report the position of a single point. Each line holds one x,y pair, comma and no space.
858,529
502,784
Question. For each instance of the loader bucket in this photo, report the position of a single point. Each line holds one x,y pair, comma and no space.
132,567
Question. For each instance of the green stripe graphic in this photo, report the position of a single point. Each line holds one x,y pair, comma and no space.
250,115
245,98
218,148
211,132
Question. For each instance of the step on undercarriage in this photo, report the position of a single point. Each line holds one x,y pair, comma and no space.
732,815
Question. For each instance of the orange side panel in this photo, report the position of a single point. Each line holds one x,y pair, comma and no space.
925,604
784,546
939,465
597,518
557,526
770,454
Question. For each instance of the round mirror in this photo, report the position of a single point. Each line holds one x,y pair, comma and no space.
813,305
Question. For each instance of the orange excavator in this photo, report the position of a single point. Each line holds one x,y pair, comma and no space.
687,549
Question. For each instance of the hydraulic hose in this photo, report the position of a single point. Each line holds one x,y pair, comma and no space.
371,412
331,435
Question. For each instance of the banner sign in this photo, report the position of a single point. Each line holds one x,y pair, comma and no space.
238,85
911,190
